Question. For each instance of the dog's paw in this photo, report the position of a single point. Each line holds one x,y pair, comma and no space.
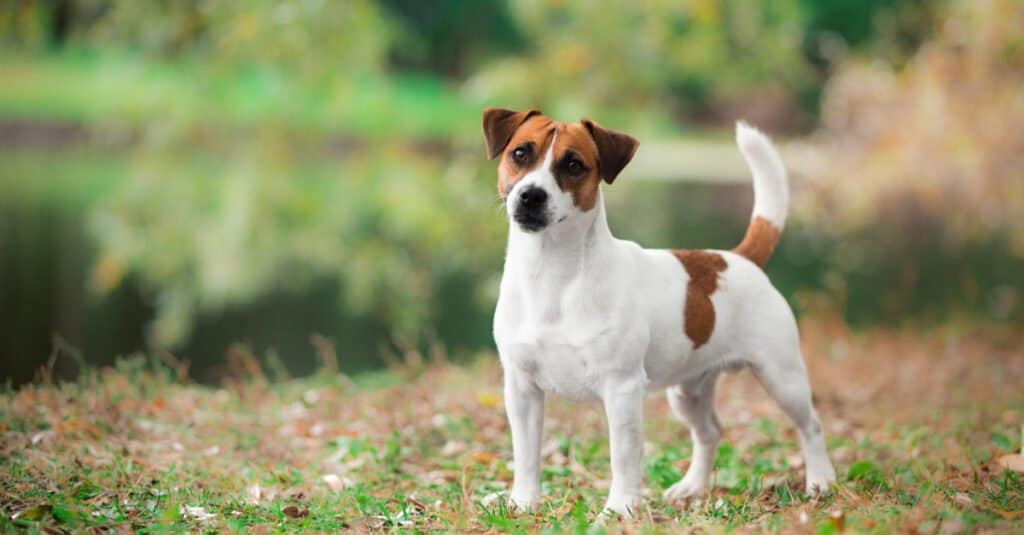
523,503
684,489
820,484
625,506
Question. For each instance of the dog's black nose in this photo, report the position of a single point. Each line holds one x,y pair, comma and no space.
532,197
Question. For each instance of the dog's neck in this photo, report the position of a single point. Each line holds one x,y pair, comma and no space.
563,250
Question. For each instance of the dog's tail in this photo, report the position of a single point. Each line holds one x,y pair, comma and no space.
771,194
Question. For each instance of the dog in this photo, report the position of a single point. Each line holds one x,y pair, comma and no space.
587,316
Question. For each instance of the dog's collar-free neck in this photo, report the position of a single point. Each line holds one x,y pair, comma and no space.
566,244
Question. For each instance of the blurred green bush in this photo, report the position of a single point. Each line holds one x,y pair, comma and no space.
647,54
264,217
273,146
927,156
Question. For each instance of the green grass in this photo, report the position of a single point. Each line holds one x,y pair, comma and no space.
140,447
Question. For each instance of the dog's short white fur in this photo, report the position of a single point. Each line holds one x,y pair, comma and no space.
588,316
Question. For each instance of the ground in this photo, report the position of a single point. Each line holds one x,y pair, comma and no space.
918,424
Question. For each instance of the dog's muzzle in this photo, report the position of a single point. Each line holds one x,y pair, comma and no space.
531,209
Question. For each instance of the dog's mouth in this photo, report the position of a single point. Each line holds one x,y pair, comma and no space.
530,221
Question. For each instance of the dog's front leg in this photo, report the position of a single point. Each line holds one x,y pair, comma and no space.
624,409
524,404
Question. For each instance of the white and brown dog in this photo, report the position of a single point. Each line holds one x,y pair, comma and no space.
588,316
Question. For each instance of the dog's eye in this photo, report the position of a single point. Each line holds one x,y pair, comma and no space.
574,166
520,154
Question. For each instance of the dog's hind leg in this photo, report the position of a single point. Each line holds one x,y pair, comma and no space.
694,403
785,378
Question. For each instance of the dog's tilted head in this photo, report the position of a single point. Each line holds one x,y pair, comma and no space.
549,171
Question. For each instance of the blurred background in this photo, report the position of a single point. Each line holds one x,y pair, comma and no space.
205,179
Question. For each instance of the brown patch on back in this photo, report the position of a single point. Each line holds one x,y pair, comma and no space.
698,312
760,240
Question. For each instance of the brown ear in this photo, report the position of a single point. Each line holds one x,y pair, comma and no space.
499,125
614,149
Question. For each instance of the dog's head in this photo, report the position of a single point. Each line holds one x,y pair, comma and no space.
550,172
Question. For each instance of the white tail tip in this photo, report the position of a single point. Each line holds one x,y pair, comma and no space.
771,188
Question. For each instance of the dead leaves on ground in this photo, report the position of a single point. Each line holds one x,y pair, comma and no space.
300,444
1013,461
294,511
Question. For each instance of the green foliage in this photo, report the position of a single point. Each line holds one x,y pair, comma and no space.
212,216
268,217
585,54
315,39
116,93
28,23
451,37
938,134
892,29
921,160
271,146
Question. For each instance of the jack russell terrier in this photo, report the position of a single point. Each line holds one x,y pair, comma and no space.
588,316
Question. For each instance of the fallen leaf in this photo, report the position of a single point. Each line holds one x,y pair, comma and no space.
196,512
441,477
491,498
337,483
40,436
488,399
1009,515
453,447
962,499
36,512
484,457
293,511
953,526
69,425
1012,461
416,504
253,494
838,519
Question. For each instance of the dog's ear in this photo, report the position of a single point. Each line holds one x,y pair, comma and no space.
614,149
499,125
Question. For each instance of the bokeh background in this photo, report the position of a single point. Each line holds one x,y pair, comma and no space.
206,179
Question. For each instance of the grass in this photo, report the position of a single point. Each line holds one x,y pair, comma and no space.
914,421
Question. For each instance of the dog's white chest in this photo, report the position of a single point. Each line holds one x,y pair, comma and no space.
566,344
571,366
